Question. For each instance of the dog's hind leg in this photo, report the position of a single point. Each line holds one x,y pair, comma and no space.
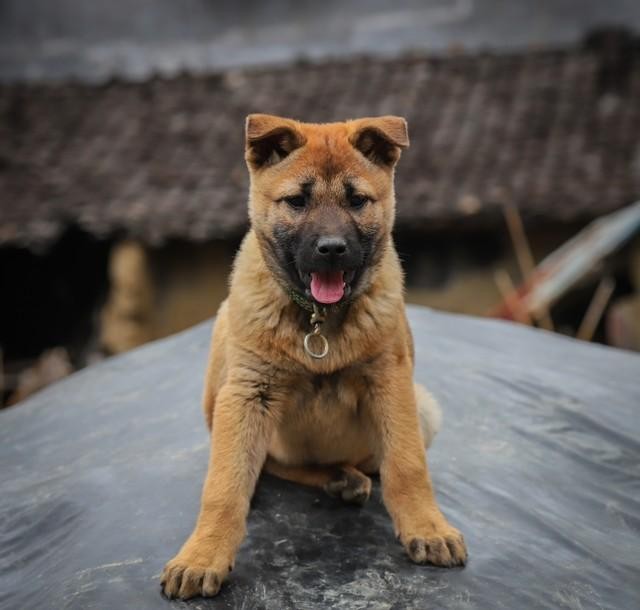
311,476
344,481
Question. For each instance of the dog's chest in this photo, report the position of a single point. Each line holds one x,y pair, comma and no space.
326,421
331,395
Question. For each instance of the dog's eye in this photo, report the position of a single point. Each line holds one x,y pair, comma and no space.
296,201
358,201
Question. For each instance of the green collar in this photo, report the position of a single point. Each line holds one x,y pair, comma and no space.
300,300
309,305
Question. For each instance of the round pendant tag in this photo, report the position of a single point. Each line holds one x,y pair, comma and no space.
323,344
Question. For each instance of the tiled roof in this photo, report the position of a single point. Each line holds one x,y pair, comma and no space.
554,131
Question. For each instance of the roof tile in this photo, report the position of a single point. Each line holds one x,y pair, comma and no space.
554,131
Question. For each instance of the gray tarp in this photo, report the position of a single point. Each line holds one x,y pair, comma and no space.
538,463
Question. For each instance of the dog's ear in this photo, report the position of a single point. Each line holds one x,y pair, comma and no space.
269,139
380,139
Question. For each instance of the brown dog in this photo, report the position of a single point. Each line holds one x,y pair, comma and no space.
310,373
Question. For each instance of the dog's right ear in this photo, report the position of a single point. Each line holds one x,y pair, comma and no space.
269,139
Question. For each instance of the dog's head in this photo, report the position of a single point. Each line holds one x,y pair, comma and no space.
322,202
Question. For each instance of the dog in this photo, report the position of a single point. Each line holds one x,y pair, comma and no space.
310,371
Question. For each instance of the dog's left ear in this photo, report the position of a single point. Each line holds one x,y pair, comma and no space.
380,139
269,139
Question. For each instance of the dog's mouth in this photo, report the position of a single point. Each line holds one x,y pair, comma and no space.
328,287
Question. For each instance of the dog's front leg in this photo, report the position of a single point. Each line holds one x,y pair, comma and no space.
242,424
406,484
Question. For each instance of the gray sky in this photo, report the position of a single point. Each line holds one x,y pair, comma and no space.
92,40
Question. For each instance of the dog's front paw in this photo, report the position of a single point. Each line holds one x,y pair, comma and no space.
351,485
444,546
190,575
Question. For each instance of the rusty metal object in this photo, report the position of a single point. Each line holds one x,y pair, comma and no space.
570,263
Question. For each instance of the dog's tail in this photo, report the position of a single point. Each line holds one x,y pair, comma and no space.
429,413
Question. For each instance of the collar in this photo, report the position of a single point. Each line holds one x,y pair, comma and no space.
300,300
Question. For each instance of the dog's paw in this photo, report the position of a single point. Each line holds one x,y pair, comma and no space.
184,579
443,547
350,485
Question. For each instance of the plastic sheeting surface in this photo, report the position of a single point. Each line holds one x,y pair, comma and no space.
538,463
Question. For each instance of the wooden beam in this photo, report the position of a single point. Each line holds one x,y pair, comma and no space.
596,308
524,256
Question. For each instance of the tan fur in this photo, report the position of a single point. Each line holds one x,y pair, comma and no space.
323,422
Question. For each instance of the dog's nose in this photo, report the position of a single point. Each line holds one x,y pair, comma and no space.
331,246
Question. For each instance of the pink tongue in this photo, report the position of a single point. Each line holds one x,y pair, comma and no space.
327,287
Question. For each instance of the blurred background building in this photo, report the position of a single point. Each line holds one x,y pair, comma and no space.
123,187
